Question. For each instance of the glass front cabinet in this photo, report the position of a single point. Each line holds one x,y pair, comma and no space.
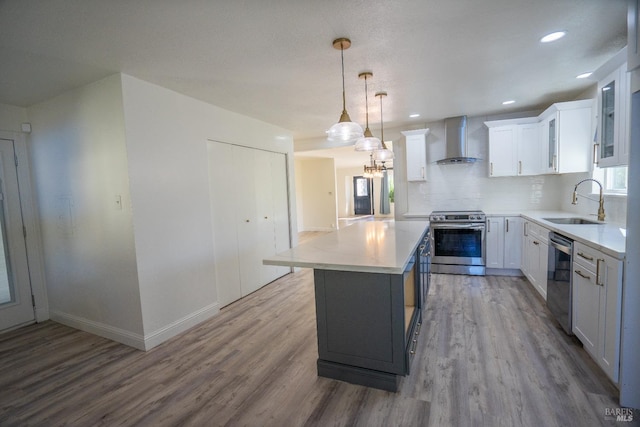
611,146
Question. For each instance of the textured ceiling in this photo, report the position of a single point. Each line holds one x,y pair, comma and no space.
273,59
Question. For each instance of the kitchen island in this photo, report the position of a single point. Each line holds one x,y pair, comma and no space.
370,282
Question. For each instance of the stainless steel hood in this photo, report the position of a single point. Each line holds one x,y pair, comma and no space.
455,135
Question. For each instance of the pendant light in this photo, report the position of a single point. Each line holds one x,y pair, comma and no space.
345,130
368,142
384,154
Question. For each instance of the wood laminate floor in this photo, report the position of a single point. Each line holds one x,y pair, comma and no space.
488,355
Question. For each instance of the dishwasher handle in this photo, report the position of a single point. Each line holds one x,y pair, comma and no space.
560,243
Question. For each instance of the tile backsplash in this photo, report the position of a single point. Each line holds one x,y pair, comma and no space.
468,186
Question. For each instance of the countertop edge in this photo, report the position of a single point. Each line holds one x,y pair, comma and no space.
288,258
566,230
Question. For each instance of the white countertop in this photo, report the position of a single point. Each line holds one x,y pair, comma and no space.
365,246
609,238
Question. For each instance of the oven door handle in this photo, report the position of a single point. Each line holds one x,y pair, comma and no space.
453,226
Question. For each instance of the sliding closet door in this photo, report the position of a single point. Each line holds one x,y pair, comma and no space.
248,225
223,211
250,208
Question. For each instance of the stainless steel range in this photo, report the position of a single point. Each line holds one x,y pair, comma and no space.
458,242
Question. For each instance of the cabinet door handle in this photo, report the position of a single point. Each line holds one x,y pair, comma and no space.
598,282
507,225
535,242
526,228
581,274
422,172
588,258
555,162
488,226
491,168
519,167
595,154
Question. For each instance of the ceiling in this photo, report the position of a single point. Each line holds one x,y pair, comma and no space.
274,61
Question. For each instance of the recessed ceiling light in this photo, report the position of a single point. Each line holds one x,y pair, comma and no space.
583,75
414,115
553,36
511,101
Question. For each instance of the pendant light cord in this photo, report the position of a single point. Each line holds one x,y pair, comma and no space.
382,126
344,102
366,100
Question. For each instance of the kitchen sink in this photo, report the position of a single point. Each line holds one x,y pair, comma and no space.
571,221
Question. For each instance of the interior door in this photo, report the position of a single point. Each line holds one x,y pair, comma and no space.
247,225
16,306
225,241
362,195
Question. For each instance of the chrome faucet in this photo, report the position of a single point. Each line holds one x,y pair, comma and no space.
574,198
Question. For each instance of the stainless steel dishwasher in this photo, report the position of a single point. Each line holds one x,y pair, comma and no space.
559,283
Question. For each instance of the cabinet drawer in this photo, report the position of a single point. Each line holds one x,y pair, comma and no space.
540,233
585,256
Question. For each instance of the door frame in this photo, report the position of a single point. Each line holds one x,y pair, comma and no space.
370,196
30,219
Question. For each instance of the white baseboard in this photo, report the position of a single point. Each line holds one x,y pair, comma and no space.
503,272
171,330
141,342
106,331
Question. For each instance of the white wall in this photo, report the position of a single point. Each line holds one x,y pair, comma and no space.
166,144
141,271
12,117
316,188
79,163
344,190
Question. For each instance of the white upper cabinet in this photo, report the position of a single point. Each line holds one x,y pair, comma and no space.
416,154
529,155
557,141
503,152
514,149
566,137
612,148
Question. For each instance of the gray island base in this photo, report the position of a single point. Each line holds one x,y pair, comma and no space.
368,317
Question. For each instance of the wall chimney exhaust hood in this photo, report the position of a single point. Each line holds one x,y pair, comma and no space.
455,135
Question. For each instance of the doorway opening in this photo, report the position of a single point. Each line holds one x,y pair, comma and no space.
363,195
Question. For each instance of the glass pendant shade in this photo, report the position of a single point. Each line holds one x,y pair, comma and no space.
345,130
383,154
368,142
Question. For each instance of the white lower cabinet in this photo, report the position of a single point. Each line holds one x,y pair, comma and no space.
535,250
512,242
494,242
597,298
250,217
503,242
